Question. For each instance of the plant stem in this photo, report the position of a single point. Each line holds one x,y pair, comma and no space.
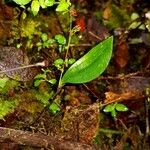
42,64
67,50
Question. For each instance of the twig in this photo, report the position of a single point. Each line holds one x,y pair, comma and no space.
121,77
147,118
39,140
94,94
147,132
81,45
94,35
42,64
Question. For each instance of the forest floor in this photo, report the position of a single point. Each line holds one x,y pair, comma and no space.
109,113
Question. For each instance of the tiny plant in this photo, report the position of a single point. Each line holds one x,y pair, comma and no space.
90,66
114,108
44,77
45,42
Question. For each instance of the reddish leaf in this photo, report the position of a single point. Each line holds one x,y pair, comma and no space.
80,22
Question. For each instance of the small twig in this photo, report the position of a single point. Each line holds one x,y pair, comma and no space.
110,131
147,132
81,45
42,64
147,118
121,77
94,35
94,94
67,50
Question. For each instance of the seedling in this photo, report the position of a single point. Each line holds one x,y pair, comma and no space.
114,108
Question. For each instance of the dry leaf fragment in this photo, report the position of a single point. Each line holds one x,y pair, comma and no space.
122,54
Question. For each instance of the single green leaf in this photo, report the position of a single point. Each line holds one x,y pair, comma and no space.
109,108
44,37
60,39
40,76
91,65
3,82
42,3
114,113
37,82
58,61
35,6
63,5
49,3
54,107
50,41
22,2
121,107
71,61
52,81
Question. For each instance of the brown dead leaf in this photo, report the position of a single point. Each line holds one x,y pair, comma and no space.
112,97
107,13
122,53
128,89
11,57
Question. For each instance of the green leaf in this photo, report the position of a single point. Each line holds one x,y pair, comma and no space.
114,113
40,76
54,107
50,41
35,6
37,82
71,61
60,39
58,61
52,81
3,82
44,37
121,107
49,2
63,5
91,65
42,3
22,2
109,108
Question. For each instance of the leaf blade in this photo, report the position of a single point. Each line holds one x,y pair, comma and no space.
91,65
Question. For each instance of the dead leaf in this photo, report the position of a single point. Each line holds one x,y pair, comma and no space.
112,97
11,57
128,89
122,53
107,13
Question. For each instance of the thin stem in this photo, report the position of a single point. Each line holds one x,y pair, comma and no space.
67,50
24,67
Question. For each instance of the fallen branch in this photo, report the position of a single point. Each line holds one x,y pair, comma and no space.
39,140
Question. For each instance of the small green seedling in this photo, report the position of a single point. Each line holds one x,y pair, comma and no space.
59,63
114,108
45,42
54,108
44,77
